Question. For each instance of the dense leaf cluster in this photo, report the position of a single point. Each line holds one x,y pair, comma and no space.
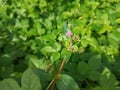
33,43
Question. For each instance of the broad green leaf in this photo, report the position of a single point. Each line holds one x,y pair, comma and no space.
44,77
49,37
94,62
66,82
75,48
34,60
107,76
94,75
66,14
9,84
48,24
6,59
57,46
105,28
48,49
105,19
112,40
98,88
106,88
117,20
6,71
43,3
24,23
83,68
93,42
84,42
54,57
30,81
114,37
3,13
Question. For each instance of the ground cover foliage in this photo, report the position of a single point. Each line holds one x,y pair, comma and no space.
59,44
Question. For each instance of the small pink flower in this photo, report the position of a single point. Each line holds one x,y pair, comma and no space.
69,33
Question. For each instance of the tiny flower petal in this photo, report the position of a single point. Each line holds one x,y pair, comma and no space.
68,33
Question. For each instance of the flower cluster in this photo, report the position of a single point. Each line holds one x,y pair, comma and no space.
69,33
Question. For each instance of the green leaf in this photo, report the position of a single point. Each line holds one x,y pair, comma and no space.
44,77
64,30
75,48
50,37
6,71
65,54
34,60
117,20
48,49
94,62
82,68
5,59
30,81
66,14
106,88
84,42
98,88
43,3
48,24
37,28
54,56
114,37
105,20
107,76
112,40
65,27
24,23
94,75
9,84
66,82
57,46
105,28
93,42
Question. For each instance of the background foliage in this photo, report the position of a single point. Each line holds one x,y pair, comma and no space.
32,35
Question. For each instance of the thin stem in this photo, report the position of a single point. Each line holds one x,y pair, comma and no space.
56,76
